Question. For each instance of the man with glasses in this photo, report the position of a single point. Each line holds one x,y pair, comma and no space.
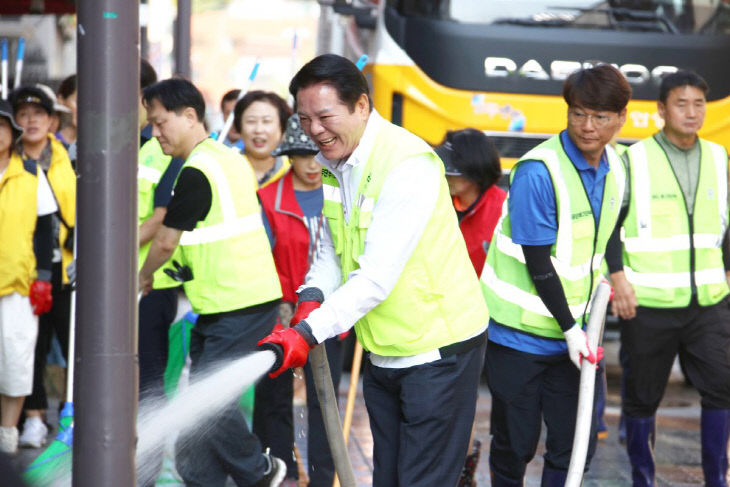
669,277
540,272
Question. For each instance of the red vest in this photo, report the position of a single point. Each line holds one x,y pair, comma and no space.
477,226
291,236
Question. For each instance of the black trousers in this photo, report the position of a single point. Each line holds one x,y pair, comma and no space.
227,447
421,419
321,466
56,321
156,312
528,389
650,341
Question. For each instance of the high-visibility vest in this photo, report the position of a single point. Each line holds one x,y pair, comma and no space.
576,255
18,215
62,179
436,300
228,252
667,252
151,166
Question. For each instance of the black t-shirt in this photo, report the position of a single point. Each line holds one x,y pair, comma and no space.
190,202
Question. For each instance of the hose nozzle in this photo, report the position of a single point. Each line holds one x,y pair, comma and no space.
278,354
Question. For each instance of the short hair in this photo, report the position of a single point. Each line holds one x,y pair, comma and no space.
230,95
337,72
475,155
176,94
678,79
282,108
67,86
601,87
147,74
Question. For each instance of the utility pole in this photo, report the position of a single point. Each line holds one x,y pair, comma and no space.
182,38
105,385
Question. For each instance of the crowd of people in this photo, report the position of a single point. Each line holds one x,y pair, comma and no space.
303,223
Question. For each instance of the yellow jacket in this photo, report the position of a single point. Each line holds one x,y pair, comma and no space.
62,179
18,214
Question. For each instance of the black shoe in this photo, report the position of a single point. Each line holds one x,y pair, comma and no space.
274,474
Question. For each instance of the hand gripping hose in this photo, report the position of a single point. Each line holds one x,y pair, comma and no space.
594,332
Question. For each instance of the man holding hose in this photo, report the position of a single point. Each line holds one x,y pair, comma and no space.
541,270
393,264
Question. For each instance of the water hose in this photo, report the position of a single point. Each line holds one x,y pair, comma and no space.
328,404
581,439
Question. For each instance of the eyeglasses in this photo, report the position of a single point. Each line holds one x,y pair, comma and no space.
579,118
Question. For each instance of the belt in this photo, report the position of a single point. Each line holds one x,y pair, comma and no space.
464,346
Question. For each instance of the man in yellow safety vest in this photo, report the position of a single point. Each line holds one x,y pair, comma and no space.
669,277
394,265
228,272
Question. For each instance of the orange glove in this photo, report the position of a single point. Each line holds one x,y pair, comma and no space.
40,297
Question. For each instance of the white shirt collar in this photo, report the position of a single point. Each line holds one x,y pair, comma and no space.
362,151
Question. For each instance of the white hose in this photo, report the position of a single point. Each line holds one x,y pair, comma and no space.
581,439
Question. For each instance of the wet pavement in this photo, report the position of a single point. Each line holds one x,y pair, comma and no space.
677,449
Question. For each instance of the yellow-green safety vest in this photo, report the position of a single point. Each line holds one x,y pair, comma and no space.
436,300
228,252
152,165
666,251
576,255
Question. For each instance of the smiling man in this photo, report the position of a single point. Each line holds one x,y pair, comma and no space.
214,218
541,269
393,264
669,274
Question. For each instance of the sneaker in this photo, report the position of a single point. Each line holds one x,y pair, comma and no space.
8,439
34,433
275,472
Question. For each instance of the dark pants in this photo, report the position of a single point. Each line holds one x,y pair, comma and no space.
527,389
226,447
650,341
421,419
156,312
55,321
273,417
321,465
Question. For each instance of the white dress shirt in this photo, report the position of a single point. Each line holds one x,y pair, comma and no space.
405,204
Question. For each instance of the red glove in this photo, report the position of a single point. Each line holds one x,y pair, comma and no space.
295,349
303,310
40,297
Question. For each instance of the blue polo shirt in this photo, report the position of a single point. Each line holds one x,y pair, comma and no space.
534,221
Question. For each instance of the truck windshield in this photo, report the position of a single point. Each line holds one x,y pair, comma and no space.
660,16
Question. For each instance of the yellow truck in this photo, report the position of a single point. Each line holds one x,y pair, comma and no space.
499,65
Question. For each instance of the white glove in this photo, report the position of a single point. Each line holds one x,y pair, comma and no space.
577,342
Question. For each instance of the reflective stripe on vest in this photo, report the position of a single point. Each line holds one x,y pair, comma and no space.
577,254
228,251
436,300
658,235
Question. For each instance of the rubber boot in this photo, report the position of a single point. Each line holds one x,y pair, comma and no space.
715,424
552,477
640,434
